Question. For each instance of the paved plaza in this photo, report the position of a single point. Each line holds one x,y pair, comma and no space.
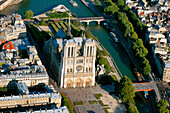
87,94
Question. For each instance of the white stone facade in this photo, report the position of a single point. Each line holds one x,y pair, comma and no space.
76,65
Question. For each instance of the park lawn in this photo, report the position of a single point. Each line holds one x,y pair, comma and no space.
66,102
102,104
93,102
106,110
78,103
98,96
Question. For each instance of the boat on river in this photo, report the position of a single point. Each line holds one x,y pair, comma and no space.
73,3
114,37
139,76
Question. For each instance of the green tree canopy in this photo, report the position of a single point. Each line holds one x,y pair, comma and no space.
120,3
28,14
126,90
104,61
126,8
134,36
111,9
146,69
132,109
42,22
98,3
162,104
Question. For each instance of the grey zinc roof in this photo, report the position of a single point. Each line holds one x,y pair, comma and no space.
61,34
78,41
55,43
60,42
22,88
89,40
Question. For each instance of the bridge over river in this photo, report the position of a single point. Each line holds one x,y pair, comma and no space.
85,19
147,86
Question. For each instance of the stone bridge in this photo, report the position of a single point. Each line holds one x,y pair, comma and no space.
147,86
91,19
85,19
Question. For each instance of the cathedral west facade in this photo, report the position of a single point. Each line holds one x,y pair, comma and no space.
72,61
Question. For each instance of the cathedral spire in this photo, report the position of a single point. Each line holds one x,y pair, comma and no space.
68,28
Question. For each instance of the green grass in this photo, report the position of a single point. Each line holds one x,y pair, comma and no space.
93,102
66,102
78,103
102,104
54,27
58,26
3,63
105,109
62,25
98,96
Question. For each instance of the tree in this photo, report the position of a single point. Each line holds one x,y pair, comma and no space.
42,22
111,9
28,14
120,3
134,36
74,15
132,109
104,61
98,3
126,90
146,69
126,8
162,104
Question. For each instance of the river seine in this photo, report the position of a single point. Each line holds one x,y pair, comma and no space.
116,50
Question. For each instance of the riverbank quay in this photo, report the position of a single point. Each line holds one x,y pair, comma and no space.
111,61
6,3
115,28
129,51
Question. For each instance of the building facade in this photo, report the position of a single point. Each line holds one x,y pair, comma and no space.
30,100
166,73
30,79
72,60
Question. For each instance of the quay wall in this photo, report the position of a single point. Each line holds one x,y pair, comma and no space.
6,3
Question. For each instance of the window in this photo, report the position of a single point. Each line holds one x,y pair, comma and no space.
68,51
87,51
79,61
90,50
86,69
89,69
72,52
67,70
71,70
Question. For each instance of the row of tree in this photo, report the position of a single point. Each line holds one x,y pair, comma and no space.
111,7
140,28
126,90
128,30
161,106
137,44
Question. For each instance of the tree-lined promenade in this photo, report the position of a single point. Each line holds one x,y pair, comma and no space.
129,29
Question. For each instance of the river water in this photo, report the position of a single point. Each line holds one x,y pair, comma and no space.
116,50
